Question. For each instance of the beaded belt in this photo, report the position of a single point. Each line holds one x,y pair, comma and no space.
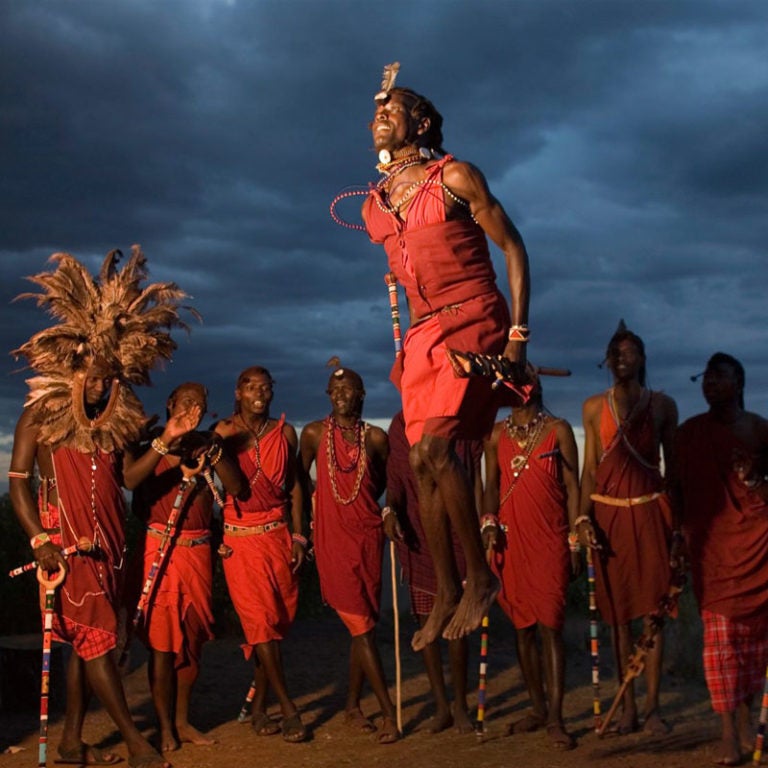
181,542
634,502
446,308
251,530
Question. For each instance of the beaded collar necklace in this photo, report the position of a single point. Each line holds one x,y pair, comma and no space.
358,462
526,436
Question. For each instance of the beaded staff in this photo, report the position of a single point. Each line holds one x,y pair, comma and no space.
246,708
45,675
82,546
394,308
645,643
594,643
187,479
483,673
760,737
481,686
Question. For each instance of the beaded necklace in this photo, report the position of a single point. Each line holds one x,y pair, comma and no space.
527,437
358,462
256,448
394,210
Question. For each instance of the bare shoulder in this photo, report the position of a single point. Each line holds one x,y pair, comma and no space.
289,431
311,432
226,427
377,437
495,433
563,429
664,405
759,427
592,407
461,176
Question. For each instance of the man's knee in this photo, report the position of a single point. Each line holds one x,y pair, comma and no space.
430,455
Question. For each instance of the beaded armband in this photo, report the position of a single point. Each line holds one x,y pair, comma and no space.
519,333
159,446
38,540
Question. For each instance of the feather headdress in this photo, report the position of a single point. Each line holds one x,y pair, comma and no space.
111,322
387,81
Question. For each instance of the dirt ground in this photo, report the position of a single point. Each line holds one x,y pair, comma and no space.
316,655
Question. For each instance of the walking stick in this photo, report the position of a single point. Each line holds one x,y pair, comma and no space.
594,643
483,676
45,675
187,479
396,611
246,708
83,545
645,643
760,738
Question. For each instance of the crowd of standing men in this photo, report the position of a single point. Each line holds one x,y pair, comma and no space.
517,538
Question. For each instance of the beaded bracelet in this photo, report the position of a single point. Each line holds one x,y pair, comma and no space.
385,512
215,458
519,333
581,519
159,446
298,538
488,521
19,475
573,542
39,539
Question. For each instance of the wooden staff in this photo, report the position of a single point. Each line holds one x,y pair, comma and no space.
245,710
594,643
394,308
83,545
45,675
760,737
396,612
645,643
483,674
188,474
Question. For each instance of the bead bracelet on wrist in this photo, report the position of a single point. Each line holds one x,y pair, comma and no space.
299,539
38,540
159,446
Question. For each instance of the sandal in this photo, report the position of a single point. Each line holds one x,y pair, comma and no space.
293,729
356,720
388,733
264,725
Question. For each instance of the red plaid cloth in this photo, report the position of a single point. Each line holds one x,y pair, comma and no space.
735,657
87,642
421,602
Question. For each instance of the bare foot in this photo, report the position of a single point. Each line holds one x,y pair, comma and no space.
188,734
461,721
627,724
655,726
559,738
527,724
442,720
357,721
434,625
168,742
728,753
474,604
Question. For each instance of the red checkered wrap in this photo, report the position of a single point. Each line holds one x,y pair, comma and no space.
735,658
87,642
421,602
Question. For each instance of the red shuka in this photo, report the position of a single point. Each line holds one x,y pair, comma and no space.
446,270
532,560
725,524
349,539
632,569
261,582
179,617
87,602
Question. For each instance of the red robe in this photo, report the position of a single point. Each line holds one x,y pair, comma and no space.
179,617
88,600
726,524
349,539
259,574
446,270
632,570
532,559
413,551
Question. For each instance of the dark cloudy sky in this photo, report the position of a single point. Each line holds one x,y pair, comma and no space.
627,140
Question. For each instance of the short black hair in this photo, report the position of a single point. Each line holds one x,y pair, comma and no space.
723,358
